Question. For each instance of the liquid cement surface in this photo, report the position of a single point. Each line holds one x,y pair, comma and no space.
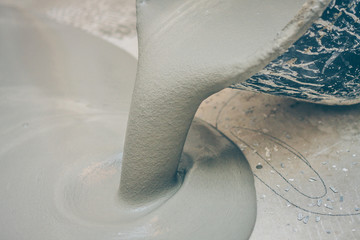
65,97
64,103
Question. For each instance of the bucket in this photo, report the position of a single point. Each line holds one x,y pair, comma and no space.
323,66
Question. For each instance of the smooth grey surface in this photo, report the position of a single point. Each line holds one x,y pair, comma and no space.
310,147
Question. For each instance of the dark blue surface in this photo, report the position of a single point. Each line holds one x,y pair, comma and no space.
323,65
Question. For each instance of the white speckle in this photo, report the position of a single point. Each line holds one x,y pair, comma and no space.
267,153
317,219
312,179
306,219
328,206
291,179
345,169
354,155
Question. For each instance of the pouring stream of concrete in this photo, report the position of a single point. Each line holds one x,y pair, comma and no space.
188,51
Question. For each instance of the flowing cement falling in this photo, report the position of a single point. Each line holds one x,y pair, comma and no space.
188,51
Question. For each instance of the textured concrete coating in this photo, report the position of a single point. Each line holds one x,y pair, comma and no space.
323,65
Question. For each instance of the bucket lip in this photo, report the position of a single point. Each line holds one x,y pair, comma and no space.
298,25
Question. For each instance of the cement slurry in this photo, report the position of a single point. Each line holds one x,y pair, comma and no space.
64,107
188,51
64,101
